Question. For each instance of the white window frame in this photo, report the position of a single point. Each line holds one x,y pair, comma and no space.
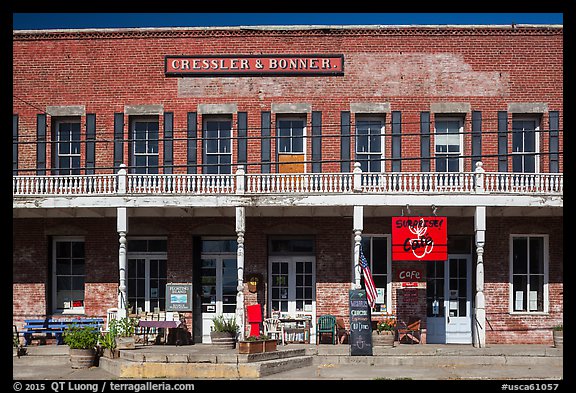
144,119
72,310
381,119
57,123
460,120
388,269
302,118
511,272
537,121
146,256
205,120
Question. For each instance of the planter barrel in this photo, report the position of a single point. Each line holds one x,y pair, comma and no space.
384,339
82,358
558,336
223,339
258,346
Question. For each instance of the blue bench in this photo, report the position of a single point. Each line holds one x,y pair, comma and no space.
36,328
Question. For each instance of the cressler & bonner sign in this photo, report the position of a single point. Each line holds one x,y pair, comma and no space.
247,65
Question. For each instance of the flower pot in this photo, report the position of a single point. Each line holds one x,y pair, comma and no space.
223,339
258,346
384,339
125,342
558,336
82,358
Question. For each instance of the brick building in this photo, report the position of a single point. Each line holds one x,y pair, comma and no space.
217,156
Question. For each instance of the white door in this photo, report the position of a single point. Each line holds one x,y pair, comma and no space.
292,283
458,300
448,301
219,282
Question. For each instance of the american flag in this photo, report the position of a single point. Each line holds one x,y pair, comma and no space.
368,281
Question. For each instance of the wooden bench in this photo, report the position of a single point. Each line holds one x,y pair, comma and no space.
44,328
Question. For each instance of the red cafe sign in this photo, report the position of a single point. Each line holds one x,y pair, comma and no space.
249,65
419,238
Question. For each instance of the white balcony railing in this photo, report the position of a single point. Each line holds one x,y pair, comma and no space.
240,183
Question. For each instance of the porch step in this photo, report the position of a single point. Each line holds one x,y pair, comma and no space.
153,363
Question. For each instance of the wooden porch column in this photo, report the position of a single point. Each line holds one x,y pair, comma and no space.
122,228
240,228
358,228
479,323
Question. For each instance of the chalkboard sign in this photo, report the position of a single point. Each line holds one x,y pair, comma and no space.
360,324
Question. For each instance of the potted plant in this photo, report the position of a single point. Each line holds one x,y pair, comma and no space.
124,332
82,342
257,344
558,336
383,335
108,343
224,331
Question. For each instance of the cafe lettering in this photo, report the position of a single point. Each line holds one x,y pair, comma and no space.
419,238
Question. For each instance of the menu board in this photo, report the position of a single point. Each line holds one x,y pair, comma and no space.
360,324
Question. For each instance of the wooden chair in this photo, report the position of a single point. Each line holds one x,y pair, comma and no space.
326,325
341,330
273,328
411,332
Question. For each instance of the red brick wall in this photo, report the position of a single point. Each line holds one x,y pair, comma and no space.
410,69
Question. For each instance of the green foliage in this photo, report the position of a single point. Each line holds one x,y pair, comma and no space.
222,324
123,327
81,337
108,340
261,337
558,328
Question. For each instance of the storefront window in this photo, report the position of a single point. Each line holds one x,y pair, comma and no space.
376,250
147,274
528,273
69,275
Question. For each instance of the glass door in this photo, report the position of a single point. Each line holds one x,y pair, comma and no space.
292,281
218,282
458,300
448,301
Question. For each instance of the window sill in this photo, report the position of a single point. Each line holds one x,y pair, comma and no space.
76,311
535,313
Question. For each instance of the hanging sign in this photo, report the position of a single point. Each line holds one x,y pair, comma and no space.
179,297
419,238
251,65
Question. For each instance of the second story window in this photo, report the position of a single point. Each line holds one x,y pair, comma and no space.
67,135
144,151
448,144
291,136
218,146
524,145
369,143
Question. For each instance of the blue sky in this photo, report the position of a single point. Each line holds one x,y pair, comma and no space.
24,21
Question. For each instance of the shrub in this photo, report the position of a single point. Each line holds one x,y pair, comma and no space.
261,337
222,324
123,327
81,337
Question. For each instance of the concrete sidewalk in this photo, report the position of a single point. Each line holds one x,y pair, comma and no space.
406,362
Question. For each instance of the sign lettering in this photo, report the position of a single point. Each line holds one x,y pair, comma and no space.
419,238
249,65
360,324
